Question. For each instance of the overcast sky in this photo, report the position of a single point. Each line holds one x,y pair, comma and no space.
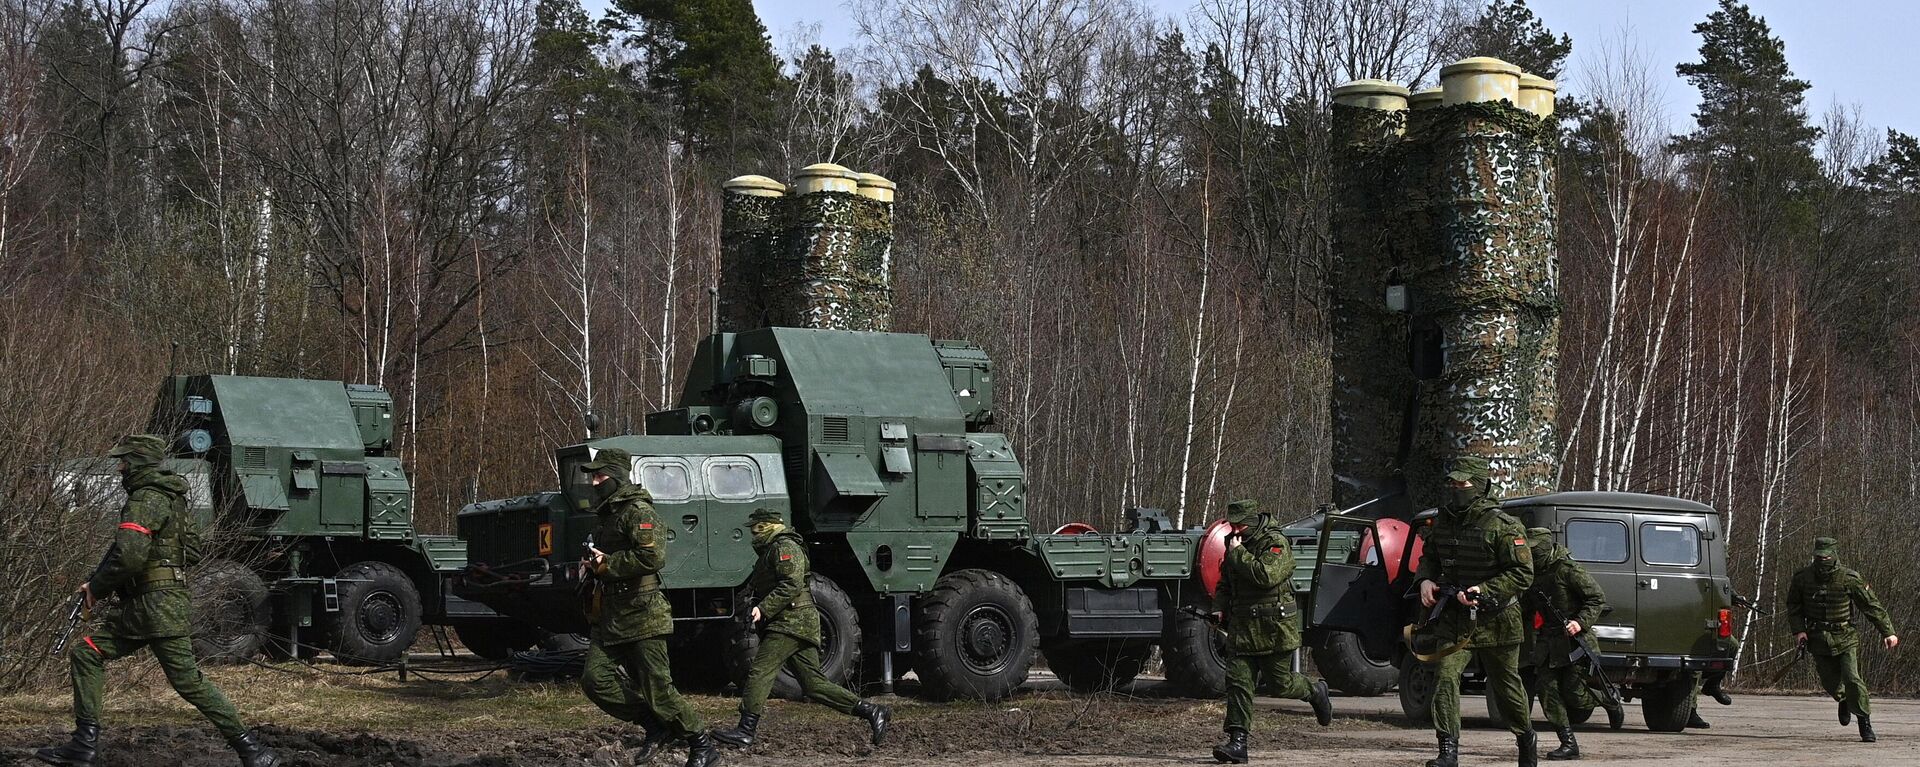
1855,52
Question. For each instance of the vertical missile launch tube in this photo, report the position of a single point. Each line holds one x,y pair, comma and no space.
820,241
873,252
1488,287
750,211
1371,381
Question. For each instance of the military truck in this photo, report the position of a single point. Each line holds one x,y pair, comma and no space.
1661,561
310,516
880,448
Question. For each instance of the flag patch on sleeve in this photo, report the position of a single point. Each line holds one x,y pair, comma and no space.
1519,541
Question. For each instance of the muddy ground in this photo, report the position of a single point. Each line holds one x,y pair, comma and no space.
380,722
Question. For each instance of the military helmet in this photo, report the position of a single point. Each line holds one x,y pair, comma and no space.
142,449
1824,546
611,461
763,515
1245,511
1468,468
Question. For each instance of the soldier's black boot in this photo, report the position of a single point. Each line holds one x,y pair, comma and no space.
1569,748
649,745
1234,751
77,751
877,717
1712,687
1846,714
741,736
1529,754
1616,714
252,752
1694,722
1449,752
1866,730
701,751
1322,703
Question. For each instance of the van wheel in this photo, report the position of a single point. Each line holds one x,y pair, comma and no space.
1096,665
379,614
975,636
1416,692
1346,665
230,612
1666,707
1196,657
839,638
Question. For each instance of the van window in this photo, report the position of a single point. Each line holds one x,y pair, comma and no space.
666,481
1593,540
1664,543
732,480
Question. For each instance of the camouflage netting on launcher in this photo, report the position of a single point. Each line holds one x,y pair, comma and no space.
1488,283
840,283
749,235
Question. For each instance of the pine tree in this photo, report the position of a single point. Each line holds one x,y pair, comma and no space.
713,59
1508,30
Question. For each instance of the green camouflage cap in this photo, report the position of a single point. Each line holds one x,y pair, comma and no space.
147,446
1824,546
1245,511
1468,468
1539,536
764,515
609,458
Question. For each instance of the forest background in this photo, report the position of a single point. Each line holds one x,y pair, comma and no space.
506,213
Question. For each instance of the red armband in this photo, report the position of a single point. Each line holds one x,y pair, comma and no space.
135,527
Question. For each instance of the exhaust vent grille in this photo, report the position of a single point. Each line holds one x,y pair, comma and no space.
833,429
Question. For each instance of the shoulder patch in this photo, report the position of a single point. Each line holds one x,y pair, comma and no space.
785,557
646,525
1519,541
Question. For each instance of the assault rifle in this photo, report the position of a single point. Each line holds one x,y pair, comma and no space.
1583,652
77,611
1443,596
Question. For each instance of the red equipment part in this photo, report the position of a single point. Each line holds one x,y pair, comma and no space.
1393,538
1075,528
1213,551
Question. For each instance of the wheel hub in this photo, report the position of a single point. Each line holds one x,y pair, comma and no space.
380,617
986,636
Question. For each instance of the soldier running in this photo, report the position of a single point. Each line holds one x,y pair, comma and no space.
792,635
1820,610
1561,587
1255,602
630,632
1483,552
145,568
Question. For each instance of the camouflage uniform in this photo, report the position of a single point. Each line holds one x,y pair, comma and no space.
792,636
629,633
1473,543
1255,598
145,568
1820,603
1561,587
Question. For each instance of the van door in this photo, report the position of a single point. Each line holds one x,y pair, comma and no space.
1674,583
681,505
735,486
1603,544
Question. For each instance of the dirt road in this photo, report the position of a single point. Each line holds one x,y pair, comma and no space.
378,722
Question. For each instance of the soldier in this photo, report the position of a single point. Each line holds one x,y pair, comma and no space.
1255,603
792,635
633,622
144,567
1820,608
1561,587
1483,552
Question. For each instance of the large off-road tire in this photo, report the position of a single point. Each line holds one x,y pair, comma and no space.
230,611
1667,706
496,638
840,638
1196,657
1347,667
1416,692
379,614
1096,665
975,635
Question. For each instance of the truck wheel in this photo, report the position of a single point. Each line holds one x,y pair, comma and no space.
1196,657
1416,692
1666,707
230,612
1096,665
1346,665
839,638
379,614
975,636
496,639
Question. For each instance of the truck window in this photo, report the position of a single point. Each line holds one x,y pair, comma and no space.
1593,540
732,480
1664,543
666,481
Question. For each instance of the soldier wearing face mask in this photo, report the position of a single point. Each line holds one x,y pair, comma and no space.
1821,604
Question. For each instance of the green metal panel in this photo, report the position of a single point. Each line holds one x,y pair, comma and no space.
1116,561
286,412
999,488
913,559
447,554
389,501
263,489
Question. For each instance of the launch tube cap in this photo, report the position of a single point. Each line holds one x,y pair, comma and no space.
612,462
1824,546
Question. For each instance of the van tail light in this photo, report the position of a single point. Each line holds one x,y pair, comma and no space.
1726,623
